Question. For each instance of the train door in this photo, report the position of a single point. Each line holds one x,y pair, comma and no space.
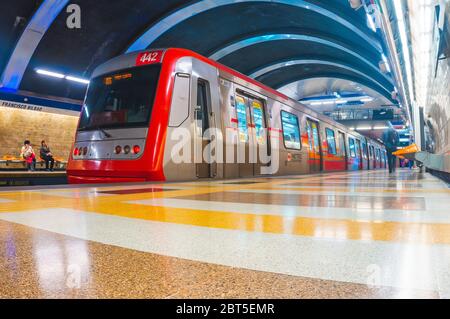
252,134
244,138
359,154
343,148
207,120
378,158
315,150
259,133
202,119
385,159
366,164
373,161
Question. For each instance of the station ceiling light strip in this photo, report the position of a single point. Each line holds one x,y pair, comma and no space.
338,100
62,76
405,47
75,79
50,73
370,128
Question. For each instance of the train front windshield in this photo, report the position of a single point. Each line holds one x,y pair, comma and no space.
121,99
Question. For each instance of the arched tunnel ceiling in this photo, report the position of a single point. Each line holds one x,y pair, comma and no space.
249,36
11,25
320,87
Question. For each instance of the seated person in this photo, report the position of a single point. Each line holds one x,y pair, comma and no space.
47,156
27,153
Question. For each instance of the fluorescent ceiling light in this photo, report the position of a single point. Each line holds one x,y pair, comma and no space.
75,79
329,102
385,60
316,103
62,76
364,128
405,45
50,73
342,101
371,23
404,140
424,44
367,99
381,127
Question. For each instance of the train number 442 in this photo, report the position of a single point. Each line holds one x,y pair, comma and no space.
151,57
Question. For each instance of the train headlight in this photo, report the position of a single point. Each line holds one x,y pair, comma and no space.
118,149
127,149
136,149
85,150
76,151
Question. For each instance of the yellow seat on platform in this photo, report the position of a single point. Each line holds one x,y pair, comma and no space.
11,158
407,150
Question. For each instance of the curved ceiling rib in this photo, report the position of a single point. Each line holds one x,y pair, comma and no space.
284,64
29,41
276,37
372,86
321,86
158,29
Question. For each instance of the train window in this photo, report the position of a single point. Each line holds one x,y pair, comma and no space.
291,130
372,152
179,111
259,120
358,148
378,154
202,111
120,99
241,112
331,140
364,147
352,146
343,151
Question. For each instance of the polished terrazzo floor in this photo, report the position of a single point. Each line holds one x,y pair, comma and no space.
341,235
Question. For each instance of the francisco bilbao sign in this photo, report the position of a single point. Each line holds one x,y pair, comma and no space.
36,108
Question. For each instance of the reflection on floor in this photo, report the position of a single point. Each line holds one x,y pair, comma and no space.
341,235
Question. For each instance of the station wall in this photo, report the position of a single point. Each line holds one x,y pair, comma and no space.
438,109
17,125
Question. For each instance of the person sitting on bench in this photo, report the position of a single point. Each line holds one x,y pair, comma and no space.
47,156
28,155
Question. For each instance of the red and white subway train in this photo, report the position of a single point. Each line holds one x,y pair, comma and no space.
148,116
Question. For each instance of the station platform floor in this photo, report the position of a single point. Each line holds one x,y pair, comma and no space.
340,235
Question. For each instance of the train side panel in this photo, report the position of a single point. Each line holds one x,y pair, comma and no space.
201,105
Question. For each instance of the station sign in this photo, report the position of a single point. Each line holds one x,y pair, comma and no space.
36,108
